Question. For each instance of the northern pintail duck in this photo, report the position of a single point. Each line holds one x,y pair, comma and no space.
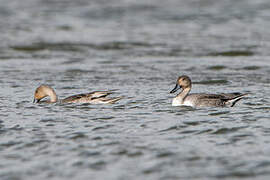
201,99
97,97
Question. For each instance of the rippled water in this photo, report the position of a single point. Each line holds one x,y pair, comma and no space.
138,48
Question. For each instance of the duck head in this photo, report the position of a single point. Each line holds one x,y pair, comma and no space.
182,82
44,91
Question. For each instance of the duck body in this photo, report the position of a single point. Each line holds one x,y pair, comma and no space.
202,99
207,100
97,97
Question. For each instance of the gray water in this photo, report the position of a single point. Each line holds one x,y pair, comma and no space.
138,48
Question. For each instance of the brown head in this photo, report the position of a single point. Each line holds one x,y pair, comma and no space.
182,82
44,91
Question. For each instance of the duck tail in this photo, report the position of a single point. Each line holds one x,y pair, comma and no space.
231,102
113,100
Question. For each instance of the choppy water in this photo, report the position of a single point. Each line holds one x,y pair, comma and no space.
138,48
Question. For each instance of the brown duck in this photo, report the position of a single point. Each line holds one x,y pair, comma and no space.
97,97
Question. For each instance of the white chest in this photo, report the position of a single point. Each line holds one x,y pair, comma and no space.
177,102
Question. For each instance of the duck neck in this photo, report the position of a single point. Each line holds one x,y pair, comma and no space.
53,96
183,94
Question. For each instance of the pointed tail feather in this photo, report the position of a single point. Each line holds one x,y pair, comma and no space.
113,100
235,101
231,102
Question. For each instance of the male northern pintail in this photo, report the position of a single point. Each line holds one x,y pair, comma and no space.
97,97
201,99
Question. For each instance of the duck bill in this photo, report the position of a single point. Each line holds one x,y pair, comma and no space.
175,88
36,100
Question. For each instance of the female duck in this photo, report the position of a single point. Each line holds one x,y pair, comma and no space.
200,99
97,97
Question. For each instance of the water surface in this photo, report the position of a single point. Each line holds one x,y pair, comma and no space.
138,48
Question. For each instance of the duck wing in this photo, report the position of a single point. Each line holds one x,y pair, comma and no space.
99,97
222,96
225,99
99,94
210,96
87,96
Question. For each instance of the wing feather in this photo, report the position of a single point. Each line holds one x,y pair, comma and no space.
90,96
